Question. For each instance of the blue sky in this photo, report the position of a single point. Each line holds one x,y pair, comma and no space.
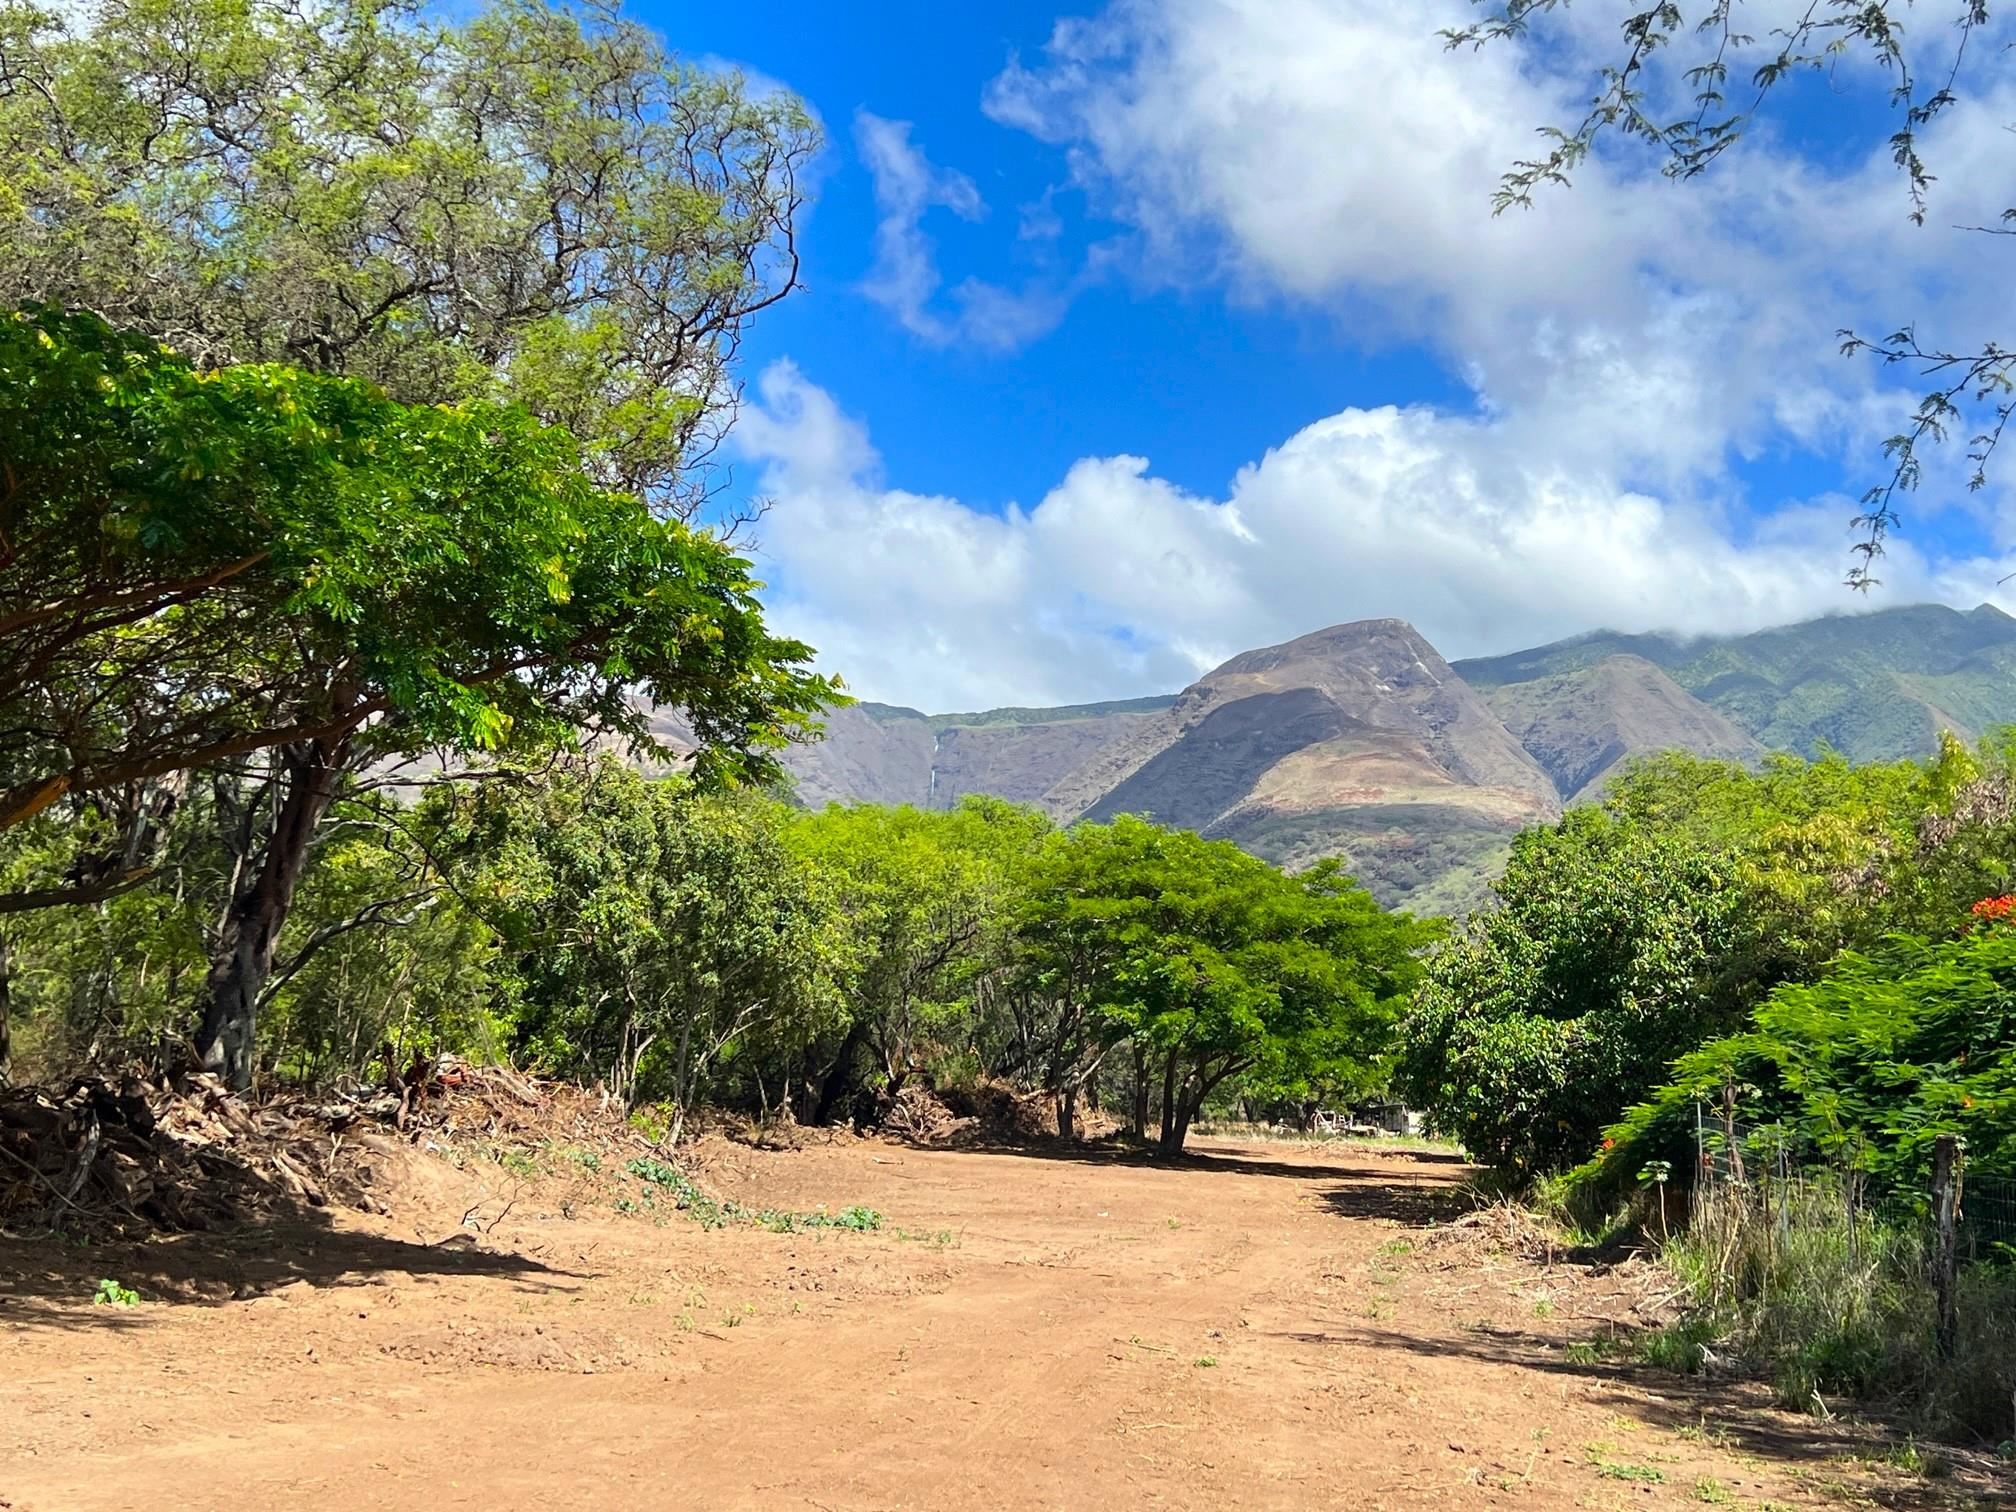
1135,336
1196,382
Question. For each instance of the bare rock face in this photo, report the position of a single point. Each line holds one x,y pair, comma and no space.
1358,742
871,754
879,753
1581,725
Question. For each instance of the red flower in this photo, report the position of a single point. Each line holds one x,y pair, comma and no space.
2000,910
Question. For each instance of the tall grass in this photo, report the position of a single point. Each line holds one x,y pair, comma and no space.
1793,1279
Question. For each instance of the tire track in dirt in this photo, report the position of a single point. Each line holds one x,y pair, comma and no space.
1245,1329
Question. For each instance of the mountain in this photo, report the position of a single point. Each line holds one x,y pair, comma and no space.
1356,741
1582,724
1874,687
881,753
1361,742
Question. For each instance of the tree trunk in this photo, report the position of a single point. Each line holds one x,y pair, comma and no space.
1188,1098
1198,1084
1140,1123
1067,1113
1168,1099
243,960
6,1005
837,1075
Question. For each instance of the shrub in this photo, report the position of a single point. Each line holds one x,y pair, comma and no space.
1825,1299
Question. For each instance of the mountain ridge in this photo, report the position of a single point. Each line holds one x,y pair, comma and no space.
1359,740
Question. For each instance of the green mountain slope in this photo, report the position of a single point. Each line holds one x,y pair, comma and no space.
1873,686
1582,725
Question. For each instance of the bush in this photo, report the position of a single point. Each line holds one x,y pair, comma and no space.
1567,1004
1826,1300
1868,1067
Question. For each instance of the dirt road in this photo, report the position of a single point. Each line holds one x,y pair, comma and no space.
1257,1327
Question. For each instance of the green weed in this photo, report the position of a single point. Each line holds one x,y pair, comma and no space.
1612,1470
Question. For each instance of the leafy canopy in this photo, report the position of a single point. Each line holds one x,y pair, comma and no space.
1605,959
1867,1066
533,202
1217,961
198,564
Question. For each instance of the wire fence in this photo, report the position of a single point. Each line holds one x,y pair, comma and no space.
1988,1217
1786,1177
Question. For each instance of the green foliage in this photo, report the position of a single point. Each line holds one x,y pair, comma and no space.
208,563
527,202
1867,1066
653,931
1608,955
922,913
535,239
111,1294
1215,962
1628,935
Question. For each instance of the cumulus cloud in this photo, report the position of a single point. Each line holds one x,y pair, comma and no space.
1339,155
1118,582
1626,342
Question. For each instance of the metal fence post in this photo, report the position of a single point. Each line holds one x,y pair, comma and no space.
1946,1179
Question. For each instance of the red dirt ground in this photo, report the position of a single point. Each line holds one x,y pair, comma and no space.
1260,1326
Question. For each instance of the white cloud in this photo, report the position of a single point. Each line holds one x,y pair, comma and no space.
1336,153
905,279
1625,341
1118,582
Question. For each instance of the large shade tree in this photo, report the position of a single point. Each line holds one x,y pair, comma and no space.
205,564
1214,963
532,203
537,201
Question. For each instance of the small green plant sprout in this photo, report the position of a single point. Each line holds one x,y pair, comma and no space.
111,1294
1658,1172
1612,1470
1206,1362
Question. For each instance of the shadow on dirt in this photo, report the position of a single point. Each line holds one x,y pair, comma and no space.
1115,1150
1433,1192
50,1283
1718,1411
1421,1205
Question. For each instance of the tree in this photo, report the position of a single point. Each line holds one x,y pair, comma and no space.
1867,1066
1629,935
1694,112
401,577
653,930
536,202
1214,962
926,906
1606,958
